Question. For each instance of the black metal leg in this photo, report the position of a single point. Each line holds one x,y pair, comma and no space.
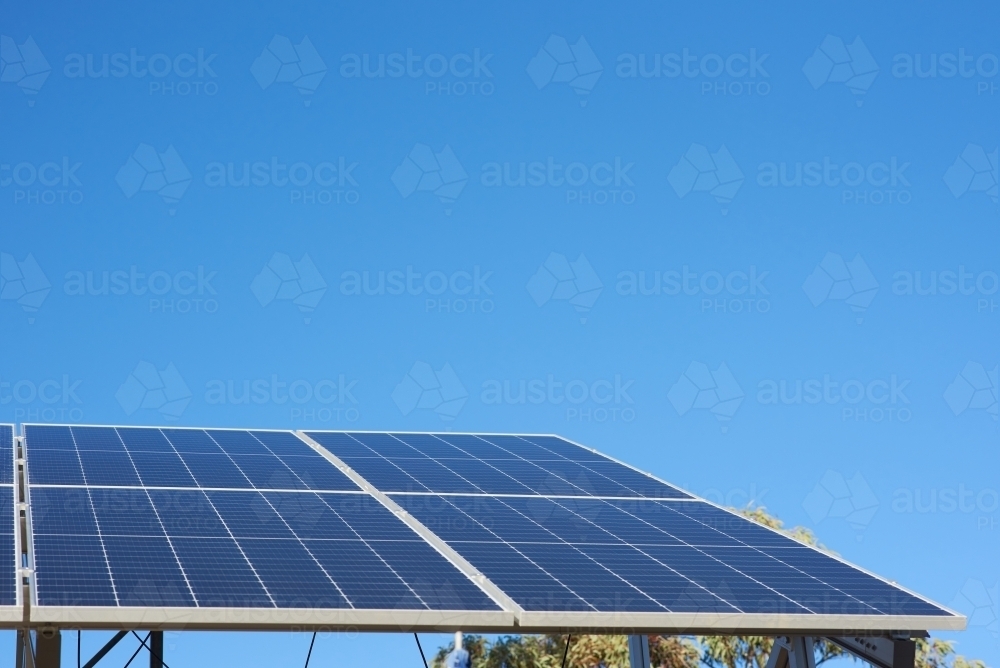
156,649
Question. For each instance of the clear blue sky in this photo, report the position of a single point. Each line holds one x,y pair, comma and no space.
806,210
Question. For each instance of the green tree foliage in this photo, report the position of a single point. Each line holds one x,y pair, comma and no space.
610,651
588,651
933,653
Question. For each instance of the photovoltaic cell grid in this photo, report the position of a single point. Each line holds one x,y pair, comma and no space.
556,555
191,458
488,464
141,517
8,552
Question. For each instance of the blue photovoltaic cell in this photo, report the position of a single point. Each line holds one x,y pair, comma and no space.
124,512
487,464
108,467
50,437
220,574
136,439
191,513
62,511
267,472
191,440
160,469
367,580
311,586
71,570
644,556
54,467
146,573
246,515
98,439
237,442
215,470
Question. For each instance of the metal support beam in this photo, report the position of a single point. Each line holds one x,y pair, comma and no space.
19,651
880,652
29,650
108,646
156,649
792,652
48,648
638,651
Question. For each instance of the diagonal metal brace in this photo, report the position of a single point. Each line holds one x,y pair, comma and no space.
108,646
792,652
878,651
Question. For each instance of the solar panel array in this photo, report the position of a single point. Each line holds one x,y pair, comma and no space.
140,517
146,518
9,559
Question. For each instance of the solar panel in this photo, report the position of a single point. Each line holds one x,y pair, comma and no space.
132,522
577,539
488,464
654,556
9,554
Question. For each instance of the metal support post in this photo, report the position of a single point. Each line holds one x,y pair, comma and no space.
638,651
19,650
802,655
156,649
48,648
